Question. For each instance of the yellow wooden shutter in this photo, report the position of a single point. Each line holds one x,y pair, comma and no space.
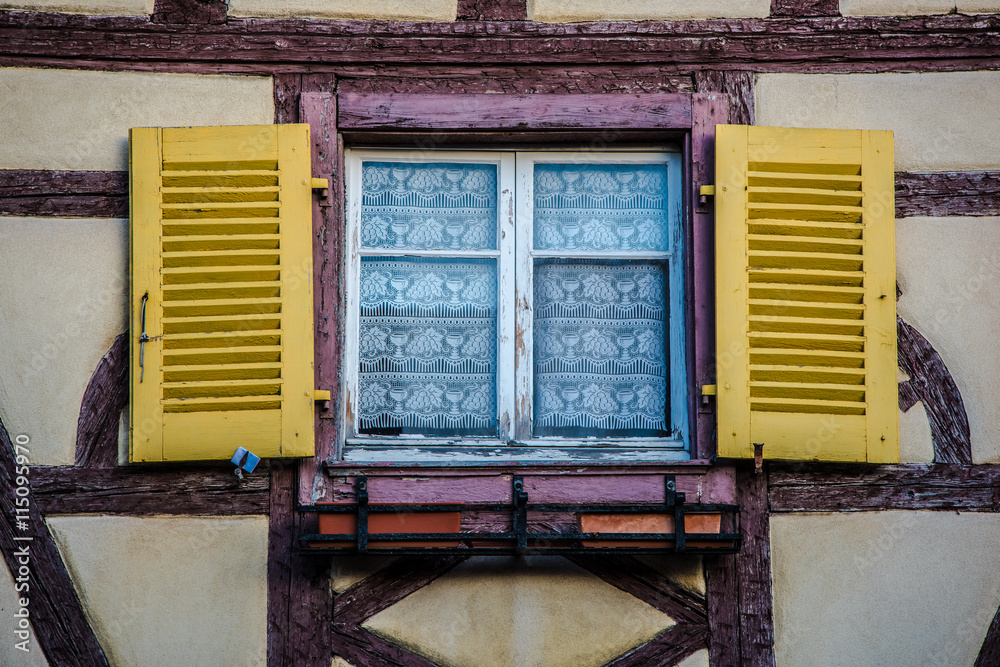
806,294
221,226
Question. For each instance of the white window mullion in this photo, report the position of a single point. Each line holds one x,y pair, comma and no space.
523,361
506,338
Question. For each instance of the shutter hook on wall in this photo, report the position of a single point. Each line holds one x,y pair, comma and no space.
143,338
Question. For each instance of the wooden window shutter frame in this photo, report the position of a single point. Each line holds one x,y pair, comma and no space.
221,249
805,284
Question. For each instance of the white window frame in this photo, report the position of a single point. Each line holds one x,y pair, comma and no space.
515,261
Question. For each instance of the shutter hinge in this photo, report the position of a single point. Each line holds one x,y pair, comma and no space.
321,395
325,194
704,192
706,391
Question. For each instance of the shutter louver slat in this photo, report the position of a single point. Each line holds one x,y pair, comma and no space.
804,312
228,358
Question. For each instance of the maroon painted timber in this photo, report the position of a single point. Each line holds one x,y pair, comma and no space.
989,653
58,623
867,488
34,192
708,110
104,400
492,10
319,110
380,591
148,490
738,85
489,113
931,384
627,574
803,8
298,588
722,604
954,193
780,40
753,571
190,11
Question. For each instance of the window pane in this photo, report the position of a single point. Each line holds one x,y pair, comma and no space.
600,207
428,346
600,348
429,206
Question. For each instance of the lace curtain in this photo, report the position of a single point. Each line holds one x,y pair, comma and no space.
428,326
600,326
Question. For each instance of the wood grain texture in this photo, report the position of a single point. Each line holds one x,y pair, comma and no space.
737,84
369,111
708,109
788,41
947,193
931,384
201,12
492,10
753,571
363,649
287,87
804,8
722,605
299,603
989,653
59,625
92,194
668,648
639,580
104,400
147,490
902,487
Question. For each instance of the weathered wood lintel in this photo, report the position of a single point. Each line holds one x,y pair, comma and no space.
816,488
104,194
146,491
732,41
536,112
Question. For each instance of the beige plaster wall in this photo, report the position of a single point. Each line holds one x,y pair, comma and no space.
941,121
948,270
77,120
883,588
497,612
699,659
916,7
95,7
63,299
412,10
571,11
171,590
9,624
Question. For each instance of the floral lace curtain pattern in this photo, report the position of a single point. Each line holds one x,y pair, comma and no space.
600,326
428,332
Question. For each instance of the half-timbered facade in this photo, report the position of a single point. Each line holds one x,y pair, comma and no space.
567,332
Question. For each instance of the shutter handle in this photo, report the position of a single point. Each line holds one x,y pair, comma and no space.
143,338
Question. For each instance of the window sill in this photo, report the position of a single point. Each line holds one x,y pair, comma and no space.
449,456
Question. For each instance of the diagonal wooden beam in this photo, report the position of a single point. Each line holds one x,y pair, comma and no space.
638,579
60,625
100,411
668,648
388,586
363,649
989,654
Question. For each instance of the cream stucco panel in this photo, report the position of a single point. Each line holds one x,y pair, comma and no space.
915,442
63,299
78,120
948,270
978,6
571,11
345,571
10,605
170,590
699,659
536,611
413,10
895,7
93,7
883,588
941,121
